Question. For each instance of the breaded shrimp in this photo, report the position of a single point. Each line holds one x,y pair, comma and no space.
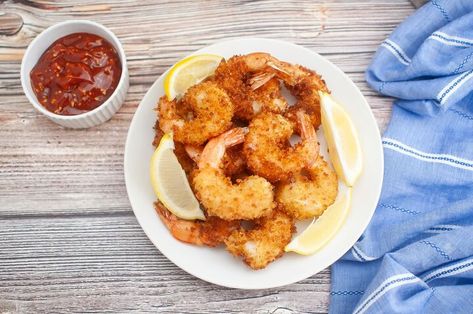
203,112
233,76
210,232
309,193
233,161
249,198
268,151
263,243
303,83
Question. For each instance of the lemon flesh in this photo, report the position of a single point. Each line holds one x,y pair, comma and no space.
189,72
323,229
342,140
170,183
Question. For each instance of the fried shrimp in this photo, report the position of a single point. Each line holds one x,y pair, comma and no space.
233,76
204,111
268,151
233,161
210,232
309,193
263,243
303,83
249,198
251,159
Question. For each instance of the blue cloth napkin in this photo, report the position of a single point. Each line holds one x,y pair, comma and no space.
416,255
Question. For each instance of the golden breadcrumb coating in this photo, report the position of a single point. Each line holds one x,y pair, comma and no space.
304,85
267,149
249,198
263,243
234,162
308,194
233,76
210,114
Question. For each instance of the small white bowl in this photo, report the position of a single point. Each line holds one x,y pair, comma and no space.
37,47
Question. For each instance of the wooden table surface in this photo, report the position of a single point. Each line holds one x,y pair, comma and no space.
69,241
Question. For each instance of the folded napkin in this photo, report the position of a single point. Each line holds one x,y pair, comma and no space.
416,256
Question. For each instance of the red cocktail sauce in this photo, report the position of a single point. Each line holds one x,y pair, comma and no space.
76,74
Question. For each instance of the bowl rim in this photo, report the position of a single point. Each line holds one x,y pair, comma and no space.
43,34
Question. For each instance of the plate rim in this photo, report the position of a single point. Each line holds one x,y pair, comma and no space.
303,274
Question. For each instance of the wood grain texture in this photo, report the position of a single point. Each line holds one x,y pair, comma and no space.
10,23
106,263
68,239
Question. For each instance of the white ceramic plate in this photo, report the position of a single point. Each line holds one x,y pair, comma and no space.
216,265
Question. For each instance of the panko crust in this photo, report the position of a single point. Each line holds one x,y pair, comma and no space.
263,243
209,112
234,162
306,90
308,195
267,149
249,198
233,75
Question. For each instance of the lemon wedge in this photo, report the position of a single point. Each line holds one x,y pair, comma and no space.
342,140
323,229
188,72
170,183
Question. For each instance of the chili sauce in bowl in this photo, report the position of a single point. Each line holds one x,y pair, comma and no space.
76,74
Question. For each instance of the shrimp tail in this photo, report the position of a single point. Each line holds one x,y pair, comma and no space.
307,132
166,216
211,232
215,148
260,79
234,136
306,127
278,66
194,152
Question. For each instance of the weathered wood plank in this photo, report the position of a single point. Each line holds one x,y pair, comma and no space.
104,263
10,23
